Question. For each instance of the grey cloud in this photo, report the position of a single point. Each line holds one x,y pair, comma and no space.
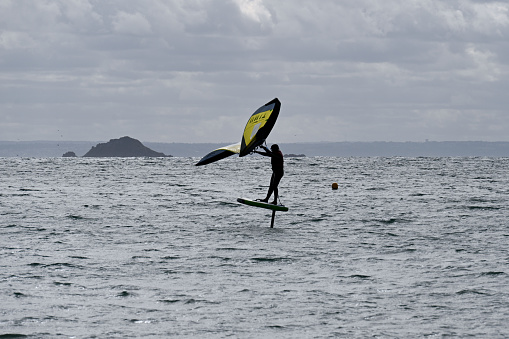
361,70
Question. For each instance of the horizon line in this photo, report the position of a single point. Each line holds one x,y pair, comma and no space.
281,142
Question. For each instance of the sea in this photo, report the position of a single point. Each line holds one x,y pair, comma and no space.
157,248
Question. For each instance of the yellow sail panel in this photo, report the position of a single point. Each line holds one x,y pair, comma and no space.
259,126
234,148
254,124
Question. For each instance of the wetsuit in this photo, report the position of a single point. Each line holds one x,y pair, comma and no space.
277,163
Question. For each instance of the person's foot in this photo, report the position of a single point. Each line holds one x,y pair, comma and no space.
263,200
274,202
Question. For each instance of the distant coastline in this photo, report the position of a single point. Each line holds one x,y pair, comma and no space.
339,149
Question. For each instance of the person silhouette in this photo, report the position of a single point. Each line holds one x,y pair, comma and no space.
277,163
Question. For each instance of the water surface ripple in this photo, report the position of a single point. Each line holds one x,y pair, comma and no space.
407,247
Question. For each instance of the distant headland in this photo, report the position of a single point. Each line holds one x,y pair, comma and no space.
122,147
292,155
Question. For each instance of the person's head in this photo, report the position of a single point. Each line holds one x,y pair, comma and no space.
274,147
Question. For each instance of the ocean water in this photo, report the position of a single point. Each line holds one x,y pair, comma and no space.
154,248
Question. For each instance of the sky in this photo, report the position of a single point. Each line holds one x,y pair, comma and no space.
194,71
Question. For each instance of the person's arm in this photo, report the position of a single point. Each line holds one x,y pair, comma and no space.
267,152
264,154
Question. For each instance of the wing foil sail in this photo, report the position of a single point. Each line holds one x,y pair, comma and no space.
259,126
220,153
256,131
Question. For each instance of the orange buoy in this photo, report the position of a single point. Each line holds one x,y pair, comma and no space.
335,186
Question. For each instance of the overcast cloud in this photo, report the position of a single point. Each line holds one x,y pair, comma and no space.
194,70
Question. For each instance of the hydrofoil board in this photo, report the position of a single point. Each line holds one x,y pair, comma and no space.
255,203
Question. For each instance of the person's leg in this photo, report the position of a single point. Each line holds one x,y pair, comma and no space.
271,188
275,183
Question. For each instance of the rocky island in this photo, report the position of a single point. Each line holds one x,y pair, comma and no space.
69,155
123,147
